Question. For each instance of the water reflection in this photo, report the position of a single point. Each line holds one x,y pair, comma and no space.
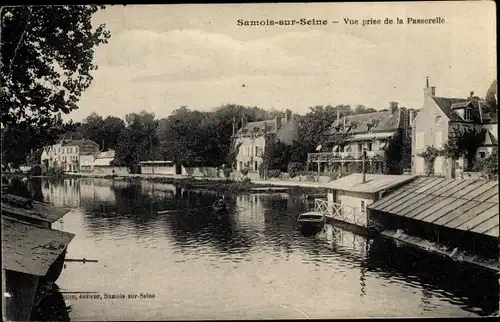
253,259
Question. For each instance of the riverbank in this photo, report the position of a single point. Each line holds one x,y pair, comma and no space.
219,184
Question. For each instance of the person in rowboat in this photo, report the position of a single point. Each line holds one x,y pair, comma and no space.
220,203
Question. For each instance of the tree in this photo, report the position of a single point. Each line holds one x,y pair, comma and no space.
18,142
313,129
138,140
113,127
47,56
361,109
93,129
464,143
490,96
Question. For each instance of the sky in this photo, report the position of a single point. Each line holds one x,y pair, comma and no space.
162,57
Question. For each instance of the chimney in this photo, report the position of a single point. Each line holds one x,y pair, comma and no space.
393,106
288,116
278,122
243,121
363,171
410,117
429,91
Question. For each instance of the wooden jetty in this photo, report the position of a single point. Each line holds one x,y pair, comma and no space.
32,253
349,196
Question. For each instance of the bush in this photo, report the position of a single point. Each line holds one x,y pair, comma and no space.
244,171
294,169
246,180
227,172
273,173
36,170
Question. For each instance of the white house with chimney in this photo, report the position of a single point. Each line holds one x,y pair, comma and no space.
436,122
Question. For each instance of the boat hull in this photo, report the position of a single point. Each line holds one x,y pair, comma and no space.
311,227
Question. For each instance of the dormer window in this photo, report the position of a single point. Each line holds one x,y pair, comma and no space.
467,116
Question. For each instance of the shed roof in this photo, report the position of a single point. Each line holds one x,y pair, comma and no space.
468,205
103,162
39,211
29,249
374,182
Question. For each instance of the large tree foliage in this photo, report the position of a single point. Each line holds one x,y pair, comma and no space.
313,127
105,132
490,95
47,56
18,142
196,138
138,141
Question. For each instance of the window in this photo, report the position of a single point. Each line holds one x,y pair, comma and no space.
467,114
370,146
360,147
419,140
363,206
482,154
438,119
439,139
258,151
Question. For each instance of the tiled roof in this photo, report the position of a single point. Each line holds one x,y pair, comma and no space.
489,139
284,132
468,205
106,154
258,127
78,142
449,105
382,120
374,182
445,104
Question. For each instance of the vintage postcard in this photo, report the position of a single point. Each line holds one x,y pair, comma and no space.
249,161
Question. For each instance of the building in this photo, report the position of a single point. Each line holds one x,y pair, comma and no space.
437,121
158,167
66,154
449,213
373,132
349,196
253,137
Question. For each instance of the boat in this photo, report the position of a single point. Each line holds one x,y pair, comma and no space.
311,222
220,206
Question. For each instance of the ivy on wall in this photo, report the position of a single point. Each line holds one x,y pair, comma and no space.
430,154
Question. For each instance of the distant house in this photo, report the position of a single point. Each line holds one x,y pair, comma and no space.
349,196
371,132
66,154
159,167
438,119
253,137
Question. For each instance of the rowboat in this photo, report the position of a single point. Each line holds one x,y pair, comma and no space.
220,206
311,222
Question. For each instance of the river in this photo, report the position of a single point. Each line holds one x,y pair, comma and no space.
250,264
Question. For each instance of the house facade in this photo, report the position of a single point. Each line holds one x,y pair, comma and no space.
373,132
437,121
66,154
252,138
